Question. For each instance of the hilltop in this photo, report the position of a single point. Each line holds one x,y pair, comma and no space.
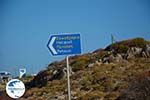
119,71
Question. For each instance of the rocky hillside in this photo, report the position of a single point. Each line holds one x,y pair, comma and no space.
120,71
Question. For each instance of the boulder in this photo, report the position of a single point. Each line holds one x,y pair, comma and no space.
44,76
133,52
58,74
90,65
111,58
98,63
106,60
137,51
118,58
146,51
39,80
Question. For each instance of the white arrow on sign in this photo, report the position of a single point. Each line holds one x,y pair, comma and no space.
51,45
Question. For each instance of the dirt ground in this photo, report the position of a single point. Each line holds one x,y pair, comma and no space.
4,96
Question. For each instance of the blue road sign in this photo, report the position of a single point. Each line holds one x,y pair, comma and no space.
64,44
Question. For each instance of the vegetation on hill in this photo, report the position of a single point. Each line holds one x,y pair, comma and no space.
99,82
123,46
105,74
91,77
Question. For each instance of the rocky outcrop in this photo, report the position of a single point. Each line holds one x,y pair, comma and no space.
133,52
118,58
39,80
104,73
112,53
115,53
146,51
59,74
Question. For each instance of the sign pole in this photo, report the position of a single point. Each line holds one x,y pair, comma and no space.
65,44
68,78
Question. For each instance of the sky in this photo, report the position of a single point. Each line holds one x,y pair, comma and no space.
26,25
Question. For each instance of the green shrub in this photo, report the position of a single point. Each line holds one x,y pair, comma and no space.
79,64
100,55
137,42
122,49
119,48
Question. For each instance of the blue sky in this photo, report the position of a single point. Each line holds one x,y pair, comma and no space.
25,27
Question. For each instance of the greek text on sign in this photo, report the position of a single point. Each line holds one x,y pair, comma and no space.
64,44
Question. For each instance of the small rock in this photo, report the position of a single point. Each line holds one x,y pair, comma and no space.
91,65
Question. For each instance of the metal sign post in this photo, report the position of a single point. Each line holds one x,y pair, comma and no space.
68,78
65,44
